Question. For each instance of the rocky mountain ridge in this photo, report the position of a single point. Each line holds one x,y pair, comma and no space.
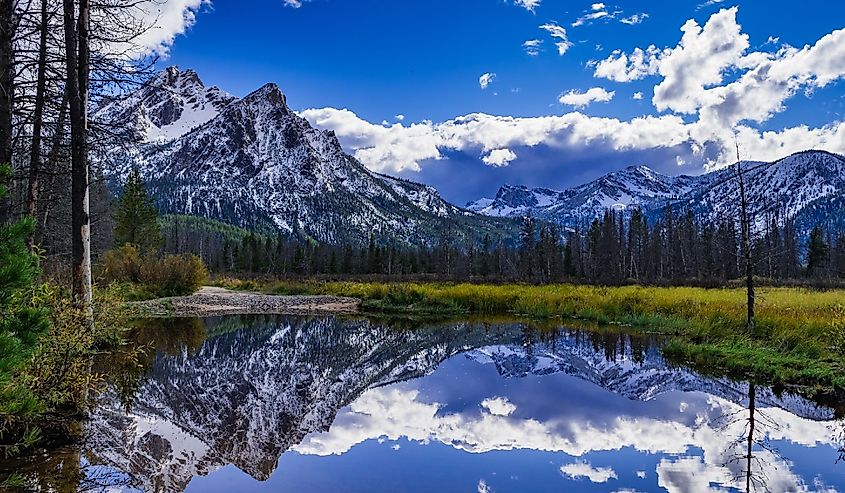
808,187
253,162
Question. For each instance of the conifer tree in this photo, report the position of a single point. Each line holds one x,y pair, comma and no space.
136,220
817,254
20,321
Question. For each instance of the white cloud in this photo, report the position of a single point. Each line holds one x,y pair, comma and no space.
486,79
634,19
622,67
641,474
400,117
700,109
693,75
591,16
499,157
582,99
165,21
499,406
577,470
709,3
637,96
600,11
559,33
399,147
393,148
532,46
528,5
294,3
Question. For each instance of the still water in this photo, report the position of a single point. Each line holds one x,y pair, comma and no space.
325,404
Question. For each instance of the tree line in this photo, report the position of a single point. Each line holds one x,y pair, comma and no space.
615,248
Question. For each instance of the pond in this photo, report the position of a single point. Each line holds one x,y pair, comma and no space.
324,404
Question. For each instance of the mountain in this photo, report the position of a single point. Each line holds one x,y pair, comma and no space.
807,186
255,163
635,185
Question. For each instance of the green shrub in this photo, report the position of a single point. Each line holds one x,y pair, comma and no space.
151,275
122,265
173,275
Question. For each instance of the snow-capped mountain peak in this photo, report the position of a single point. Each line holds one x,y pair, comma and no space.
168,106
255,163
807,186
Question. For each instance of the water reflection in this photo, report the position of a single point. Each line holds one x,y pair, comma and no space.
327,404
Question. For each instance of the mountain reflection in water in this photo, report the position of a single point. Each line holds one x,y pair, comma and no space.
345,404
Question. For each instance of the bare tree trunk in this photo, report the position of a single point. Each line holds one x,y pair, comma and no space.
53,160
7,78
38,118
746,242
76,41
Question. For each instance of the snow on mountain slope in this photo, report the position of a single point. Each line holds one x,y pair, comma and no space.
170,105
787,187
255,163
633,186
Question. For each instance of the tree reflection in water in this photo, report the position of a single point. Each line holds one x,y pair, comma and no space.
243,391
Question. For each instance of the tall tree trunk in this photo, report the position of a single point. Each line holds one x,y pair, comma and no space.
53,161
37,120
76,41
7,78
745,225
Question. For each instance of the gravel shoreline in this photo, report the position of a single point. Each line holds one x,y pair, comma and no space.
211,301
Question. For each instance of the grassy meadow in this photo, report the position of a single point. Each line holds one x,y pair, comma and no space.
798,339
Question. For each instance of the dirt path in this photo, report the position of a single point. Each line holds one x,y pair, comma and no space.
211,301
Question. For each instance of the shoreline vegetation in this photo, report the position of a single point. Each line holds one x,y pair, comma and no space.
797,343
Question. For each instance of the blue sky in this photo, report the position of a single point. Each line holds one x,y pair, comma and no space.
424,60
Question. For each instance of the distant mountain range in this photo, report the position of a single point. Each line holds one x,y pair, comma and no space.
808,187
255,163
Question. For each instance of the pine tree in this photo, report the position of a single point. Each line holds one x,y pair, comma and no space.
136,220
527,240
20,322
818,252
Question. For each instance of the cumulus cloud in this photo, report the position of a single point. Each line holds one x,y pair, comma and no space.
693,82
532,46
582,99
486,79
559,33
702,108
528,5
398,147
637,96
383,148
499,157
294,3
164,22
578,470
499,406
623,67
